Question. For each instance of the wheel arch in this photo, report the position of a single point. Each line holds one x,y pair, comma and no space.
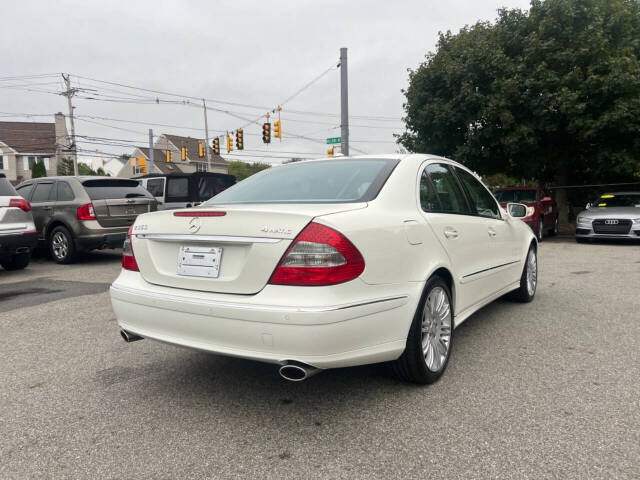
56,222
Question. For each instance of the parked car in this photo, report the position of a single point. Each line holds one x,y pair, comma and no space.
542,217
328,263
17,231
74,214
180,190
613,215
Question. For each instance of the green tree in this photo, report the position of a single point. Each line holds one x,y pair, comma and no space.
38,169
242,170
65,167
551,94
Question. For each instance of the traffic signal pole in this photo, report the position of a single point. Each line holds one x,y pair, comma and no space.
206,136
344,103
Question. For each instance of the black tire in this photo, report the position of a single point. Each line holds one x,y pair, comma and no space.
523,294
58,252
540,232
17,262
411,366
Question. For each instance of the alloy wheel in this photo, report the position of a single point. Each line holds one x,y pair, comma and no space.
532,272
436,329
60,245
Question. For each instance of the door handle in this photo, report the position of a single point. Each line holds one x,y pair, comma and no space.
46,208
491,232
450,232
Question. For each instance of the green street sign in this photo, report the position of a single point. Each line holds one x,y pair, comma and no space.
334,140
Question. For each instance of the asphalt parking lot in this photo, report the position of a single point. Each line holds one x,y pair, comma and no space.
548,389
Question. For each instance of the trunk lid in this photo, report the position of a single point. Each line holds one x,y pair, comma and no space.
252,239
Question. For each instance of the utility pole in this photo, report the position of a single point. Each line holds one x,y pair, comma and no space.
344,103
69,93
206,136
150,170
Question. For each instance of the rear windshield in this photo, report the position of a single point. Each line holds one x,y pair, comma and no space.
504,196
325,181
6,189
108,189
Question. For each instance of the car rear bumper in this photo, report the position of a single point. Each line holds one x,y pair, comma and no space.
327,335
101,240
17,243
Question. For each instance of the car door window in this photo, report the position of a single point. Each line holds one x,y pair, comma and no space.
65,194
428,198
25,191
42,193
451,198
155,186
482,201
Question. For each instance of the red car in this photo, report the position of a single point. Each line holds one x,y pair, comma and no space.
543,214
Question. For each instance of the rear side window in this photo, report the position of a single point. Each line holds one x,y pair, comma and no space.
326,181
110,189
452,199
177,189
482,201
155,186
42,193
25,191
65,194
6,189
428,197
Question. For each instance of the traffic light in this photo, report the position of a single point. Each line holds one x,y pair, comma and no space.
330,152
277,129
183,153
168,156
142,163
239,139
266,132
216,146
200,149
229,143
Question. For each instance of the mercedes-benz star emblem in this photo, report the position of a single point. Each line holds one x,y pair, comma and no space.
194,225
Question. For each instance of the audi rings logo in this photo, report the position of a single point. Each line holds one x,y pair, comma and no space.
611,222
194,225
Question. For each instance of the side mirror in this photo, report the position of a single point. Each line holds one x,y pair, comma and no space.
517,210
588,206
546,199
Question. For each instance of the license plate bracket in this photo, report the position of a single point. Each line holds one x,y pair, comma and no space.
199,261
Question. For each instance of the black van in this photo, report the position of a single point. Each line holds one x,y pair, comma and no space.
180,190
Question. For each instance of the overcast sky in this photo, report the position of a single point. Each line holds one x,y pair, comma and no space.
255,53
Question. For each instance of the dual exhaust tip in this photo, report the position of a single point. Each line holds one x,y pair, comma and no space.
291,370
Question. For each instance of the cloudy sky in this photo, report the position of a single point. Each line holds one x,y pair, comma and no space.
246,57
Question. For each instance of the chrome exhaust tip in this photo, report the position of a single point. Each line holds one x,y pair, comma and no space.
130,337
297,372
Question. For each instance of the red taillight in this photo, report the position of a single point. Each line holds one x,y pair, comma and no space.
86,212
20,203
199,214
128,257
318,256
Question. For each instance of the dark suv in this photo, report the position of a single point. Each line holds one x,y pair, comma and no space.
75,214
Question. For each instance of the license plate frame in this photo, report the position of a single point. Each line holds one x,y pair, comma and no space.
199,261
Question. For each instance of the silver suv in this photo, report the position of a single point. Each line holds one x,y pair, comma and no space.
74,214
17,231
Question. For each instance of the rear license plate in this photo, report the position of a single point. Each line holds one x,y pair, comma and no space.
199,261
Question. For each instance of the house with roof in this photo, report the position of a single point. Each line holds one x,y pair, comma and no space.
22,144
133,167
174,143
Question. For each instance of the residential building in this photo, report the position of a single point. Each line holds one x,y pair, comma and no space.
174,143
160,165
24,143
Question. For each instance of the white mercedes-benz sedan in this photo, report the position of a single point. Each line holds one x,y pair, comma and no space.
328,263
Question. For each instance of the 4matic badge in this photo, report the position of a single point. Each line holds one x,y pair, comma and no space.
284,231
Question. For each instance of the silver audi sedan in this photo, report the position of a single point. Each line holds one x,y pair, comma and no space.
613,215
